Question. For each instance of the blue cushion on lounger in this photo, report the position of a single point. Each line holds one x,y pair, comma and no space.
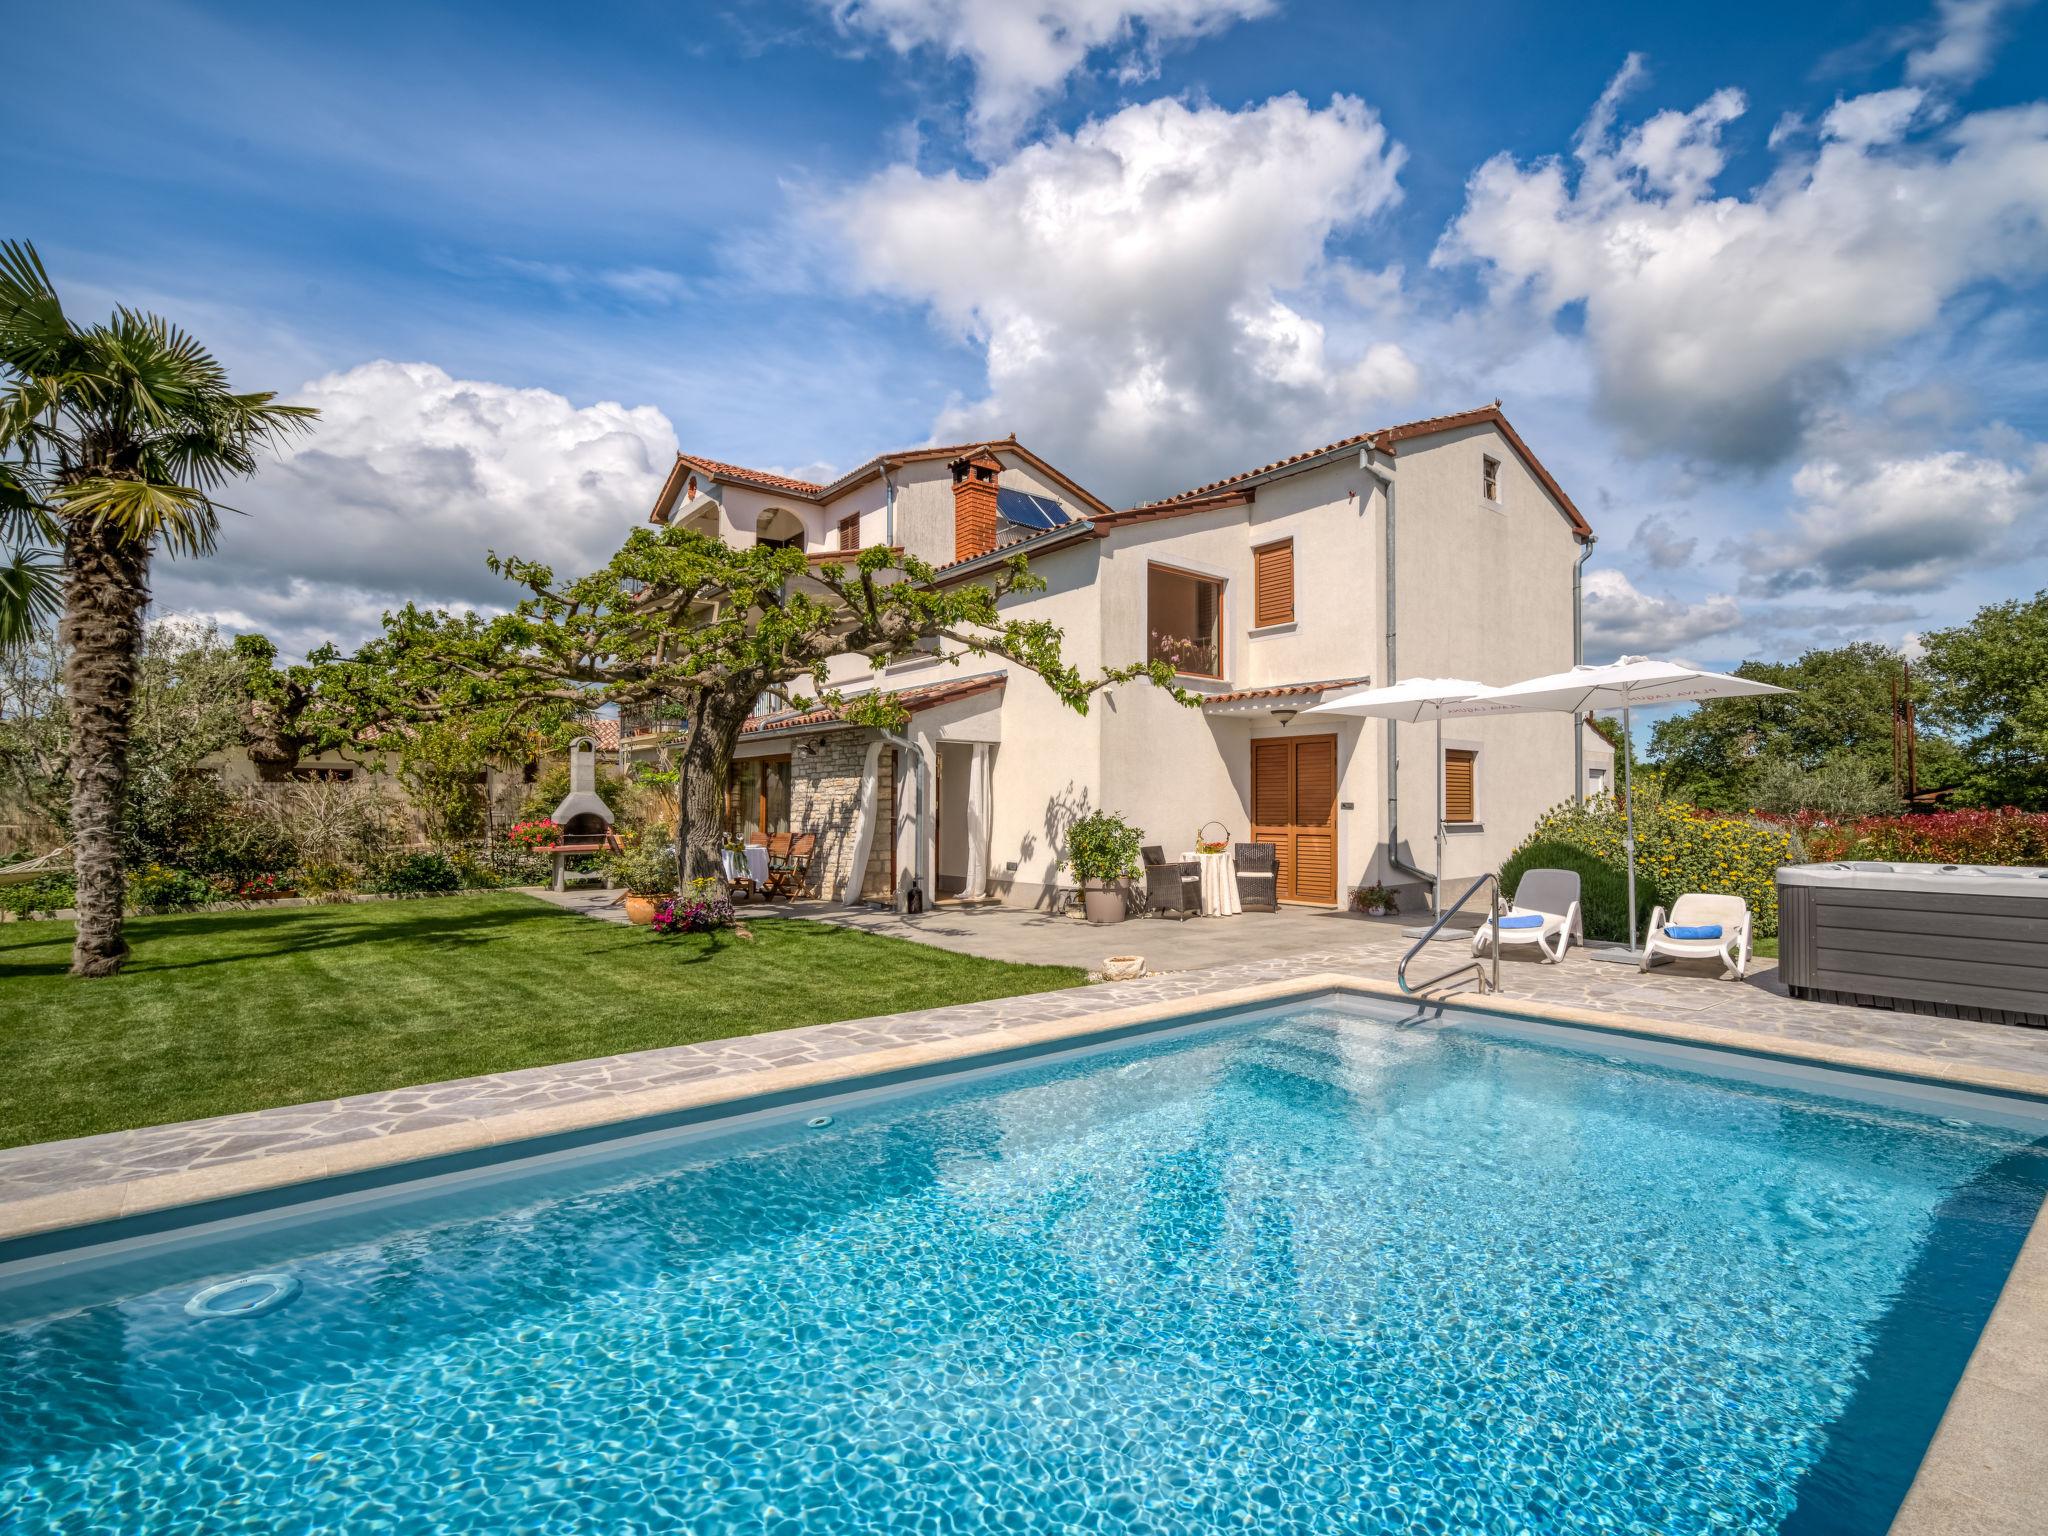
1699,931
1523,920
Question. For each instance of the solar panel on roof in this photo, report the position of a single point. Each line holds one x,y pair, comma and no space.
1028,511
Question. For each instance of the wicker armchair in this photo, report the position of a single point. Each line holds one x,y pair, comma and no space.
1175,888
1258,877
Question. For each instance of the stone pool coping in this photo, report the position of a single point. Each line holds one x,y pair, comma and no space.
1986,1470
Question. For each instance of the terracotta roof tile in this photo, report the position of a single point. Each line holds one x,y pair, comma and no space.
766,478
809,490
1284,690
1388,438
923,697
603,730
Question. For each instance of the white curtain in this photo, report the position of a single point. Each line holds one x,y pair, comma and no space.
978,807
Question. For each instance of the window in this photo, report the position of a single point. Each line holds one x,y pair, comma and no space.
1460,793
1273,584
1184,614
759,803
1489,479
849,531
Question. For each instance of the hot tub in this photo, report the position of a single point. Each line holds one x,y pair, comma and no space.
1964,941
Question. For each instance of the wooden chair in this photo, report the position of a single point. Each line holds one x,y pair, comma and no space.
789,867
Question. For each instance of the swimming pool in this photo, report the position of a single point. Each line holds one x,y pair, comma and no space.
1321,1268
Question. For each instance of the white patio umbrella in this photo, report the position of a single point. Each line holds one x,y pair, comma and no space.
1417,700
1619,685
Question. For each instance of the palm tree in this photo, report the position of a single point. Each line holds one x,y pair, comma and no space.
31,584
113,440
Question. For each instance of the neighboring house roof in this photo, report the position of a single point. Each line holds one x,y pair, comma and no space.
860,474
915,700
603,731
1250,696
1233,489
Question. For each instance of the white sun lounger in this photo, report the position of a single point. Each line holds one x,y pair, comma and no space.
1552,895
1694,910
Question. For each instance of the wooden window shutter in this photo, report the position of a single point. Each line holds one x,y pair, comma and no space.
1273,584
849,531
1458,788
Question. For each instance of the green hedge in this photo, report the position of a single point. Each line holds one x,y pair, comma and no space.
1680,848
1603,886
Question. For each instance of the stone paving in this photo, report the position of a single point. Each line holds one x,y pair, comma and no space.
1684,993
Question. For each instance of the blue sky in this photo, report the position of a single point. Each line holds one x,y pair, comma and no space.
1763,285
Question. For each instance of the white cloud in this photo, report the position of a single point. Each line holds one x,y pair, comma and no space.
1903,524
407,480
1621,620
1139,284
1657,540
1957,49
1023,51
1719,324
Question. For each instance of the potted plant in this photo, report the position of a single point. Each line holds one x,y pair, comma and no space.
646,868
1374,900
1102,851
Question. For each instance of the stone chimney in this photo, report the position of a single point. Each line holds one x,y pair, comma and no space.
974,504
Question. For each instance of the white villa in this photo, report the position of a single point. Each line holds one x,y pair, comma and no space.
1435,548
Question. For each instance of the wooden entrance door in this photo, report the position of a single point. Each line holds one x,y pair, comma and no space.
1294,807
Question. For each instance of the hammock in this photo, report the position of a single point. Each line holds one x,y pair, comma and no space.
34,869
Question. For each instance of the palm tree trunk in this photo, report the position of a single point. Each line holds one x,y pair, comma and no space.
106,590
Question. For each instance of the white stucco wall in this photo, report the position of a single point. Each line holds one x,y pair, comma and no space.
1484,592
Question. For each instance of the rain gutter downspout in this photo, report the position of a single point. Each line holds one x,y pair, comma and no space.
1579,660
888,509
1394,859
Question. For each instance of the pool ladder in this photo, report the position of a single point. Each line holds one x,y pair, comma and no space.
1476,965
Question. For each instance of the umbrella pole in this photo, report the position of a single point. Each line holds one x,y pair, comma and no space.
1628,839
1437,896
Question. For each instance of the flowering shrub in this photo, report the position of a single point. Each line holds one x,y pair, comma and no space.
169,890
1682,848
702,911
320,879
254,888
534,836
1948,837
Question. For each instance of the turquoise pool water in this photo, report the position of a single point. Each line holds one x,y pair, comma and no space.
1310,1273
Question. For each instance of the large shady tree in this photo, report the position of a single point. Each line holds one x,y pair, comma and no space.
681,628
115,439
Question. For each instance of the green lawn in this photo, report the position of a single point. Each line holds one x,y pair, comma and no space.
1766,948
225,1011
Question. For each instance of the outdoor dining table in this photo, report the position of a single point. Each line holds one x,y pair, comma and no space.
1219,883
754,865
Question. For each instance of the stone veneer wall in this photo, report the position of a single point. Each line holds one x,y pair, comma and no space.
824,797
879,884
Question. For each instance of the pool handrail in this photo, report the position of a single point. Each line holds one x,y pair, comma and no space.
1479,971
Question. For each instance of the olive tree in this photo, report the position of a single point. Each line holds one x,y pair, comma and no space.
681,628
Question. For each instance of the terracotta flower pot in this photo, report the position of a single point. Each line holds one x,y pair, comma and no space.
1103,902
640,909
